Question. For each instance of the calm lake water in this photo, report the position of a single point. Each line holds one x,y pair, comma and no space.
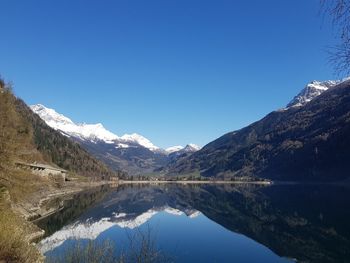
210,223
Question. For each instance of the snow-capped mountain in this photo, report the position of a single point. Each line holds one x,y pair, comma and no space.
174,149
92,132
131,152
68,127
137,138
311,91
181,152
189,148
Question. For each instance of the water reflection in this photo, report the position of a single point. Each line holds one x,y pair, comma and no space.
222,223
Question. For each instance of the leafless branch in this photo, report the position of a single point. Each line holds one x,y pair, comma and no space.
339,55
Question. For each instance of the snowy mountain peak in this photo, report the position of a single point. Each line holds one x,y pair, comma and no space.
174,149
92,132
189,148
97,132
139,139
50,115
192,147
82,131
311,91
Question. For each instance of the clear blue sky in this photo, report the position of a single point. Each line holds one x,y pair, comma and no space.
174,71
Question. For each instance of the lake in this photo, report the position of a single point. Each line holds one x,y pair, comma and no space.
207,223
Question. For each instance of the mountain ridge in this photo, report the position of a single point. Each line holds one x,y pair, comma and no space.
292,144
97,131
131,152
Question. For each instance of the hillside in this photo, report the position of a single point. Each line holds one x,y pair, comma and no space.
136,160
307,143
26,137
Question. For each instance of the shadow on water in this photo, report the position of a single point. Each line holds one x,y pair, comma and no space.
304,222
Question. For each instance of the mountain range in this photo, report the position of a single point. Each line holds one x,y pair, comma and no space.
131,152
307,140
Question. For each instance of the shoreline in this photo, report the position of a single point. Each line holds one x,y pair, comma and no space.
36,212
193,182
33,213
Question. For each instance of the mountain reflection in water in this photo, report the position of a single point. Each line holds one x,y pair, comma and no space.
213,223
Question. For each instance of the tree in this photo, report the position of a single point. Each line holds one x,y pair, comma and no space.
339,55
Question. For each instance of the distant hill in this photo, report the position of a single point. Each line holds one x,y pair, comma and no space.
307,141
26,137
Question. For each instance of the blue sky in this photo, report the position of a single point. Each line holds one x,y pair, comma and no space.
174,71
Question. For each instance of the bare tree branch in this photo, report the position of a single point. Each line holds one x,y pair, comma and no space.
339,56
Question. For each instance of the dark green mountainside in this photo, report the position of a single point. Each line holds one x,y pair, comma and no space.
308,143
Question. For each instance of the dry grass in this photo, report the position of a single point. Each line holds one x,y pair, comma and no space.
13,229
18,186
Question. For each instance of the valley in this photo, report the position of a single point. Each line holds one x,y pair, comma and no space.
305,142
175,131
131,153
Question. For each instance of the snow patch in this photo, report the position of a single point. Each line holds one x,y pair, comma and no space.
139,139
174,149
122,145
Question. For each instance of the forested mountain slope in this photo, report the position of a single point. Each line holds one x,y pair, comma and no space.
307,143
